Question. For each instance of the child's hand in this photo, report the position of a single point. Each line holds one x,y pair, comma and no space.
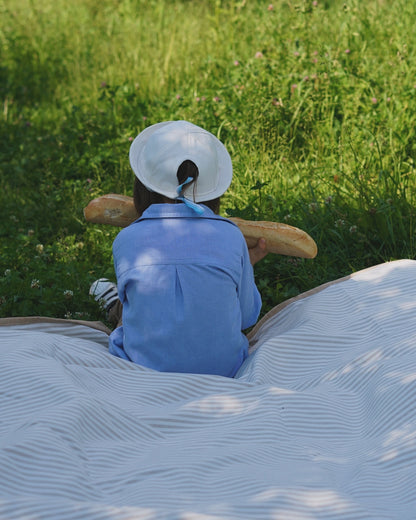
258,252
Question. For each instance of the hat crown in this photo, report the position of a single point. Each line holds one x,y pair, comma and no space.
166,151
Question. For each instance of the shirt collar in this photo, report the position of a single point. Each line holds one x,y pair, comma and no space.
178,210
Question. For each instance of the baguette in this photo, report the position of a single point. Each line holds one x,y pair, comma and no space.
281,239
113,209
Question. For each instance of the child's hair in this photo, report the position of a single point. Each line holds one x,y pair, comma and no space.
143,198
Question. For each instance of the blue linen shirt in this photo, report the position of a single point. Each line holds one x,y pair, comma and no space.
187,289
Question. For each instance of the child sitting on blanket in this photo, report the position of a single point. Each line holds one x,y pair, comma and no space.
185,284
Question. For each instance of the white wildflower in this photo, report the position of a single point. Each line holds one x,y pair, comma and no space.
68,294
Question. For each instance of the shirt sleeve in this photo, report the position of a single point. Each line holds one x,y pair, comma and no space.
249,296
120,277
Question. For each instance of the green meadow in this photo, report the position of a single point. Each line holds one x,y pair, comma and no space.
315,101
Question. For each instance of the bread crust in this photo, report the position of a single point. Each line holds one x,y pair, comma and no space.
281,239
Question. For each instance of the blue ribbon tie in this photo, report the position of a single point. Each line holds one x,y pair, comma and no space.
196,207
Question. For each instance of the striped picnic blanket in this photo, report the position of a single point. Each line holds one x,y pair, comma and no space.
319,423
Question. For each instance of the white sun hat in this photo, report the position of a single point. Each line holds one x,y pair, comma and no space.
158,151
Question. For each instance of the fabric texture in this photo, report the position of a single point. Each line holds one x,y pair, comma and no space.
319,423
187,289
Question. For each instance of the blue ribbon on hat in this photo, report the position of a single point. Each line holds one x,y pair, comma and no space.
196,207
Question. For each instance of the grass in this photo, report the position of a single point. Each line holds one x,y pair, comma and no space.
316,102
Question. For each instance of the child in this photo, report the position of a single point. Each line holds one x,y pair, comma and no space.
184,274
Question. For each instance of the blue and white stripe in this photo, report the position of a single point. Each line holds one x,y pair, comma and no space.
320,422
